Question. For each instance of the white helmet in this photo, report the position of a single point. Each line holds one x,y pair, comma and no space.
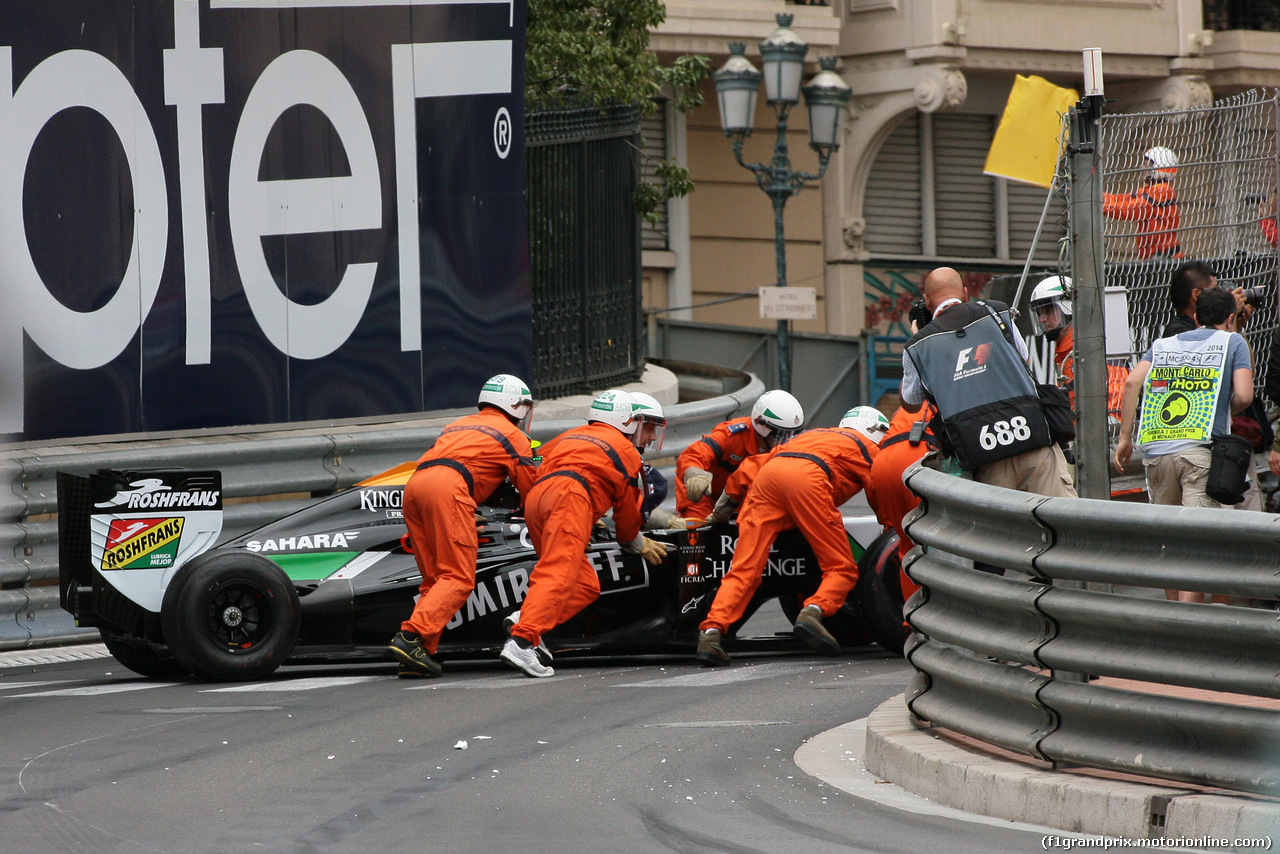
509,394
868,421
777,417
1163,161
1051,293
652,421
616,408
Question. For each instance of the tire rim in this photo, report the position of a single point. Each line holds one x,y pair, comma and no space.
238,616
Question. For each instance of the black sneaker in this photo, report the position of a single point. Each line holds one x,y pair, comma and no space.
809,629
406,648
710,652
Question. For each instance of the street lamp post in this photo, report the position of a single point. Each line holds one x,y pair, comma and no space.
737,88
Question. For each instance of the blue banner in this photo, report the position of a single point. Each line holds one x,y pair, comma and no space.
245,212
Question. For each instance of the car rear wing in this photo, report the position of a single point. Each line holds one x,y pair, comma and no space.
126,533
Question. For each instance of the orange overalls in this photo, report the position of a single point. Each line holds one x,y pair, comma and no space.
798,485
472,456
886,493
584,472
1065,363
1155,209
720,452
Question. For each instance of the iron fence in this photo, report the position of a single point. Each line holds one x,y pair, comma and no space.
584,248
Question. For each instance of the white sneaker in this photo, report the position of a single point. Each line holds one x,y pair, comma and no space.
544,654
521,655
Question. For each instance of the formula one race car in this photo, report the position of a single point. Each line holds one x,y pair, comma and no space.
333,582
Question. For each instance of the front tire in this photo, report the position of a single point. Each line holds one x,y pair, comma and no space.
233,617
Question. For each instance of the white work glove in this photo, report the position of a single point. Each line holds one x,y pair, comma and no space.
697,483
652,551
660,518
726,508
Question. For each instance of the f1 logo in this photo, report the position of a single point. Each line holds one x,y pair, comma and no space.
979,357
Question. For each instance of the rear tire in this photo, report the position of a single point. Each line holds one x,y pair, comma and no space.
231,616
880,588
142,658
848,625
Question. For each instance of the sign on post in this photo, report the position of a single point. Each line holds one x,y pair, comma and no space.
788,303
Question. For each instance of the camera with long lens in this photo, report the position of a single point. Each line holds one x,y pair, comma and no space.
920,314
1255,296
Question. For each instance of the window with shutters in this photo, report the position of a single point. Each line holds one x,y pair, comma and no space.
964,198
891,207
961,213
653,136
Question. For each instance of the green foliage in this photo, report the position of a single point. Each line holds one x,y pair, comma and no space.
598,51
672,182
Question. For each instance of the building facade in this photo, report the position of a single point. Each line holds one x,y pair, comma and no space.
906,191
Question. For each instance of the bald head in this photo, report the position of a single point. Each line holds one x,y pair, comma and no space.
941,285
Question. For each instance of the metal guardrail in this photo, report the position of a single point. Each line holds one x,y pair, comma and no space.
264,475
828,377
992,652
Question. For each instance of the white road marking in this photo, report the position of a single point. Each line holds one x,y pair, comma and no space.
296,684
9,686
52,655
724,676
708,724
95,690
514,680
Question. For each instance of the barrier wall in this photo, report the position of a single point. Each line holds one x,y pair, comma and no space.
1002,658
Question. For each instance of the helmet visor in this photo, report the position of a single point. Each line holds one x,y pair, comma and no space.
650,433
1046,316
781,435
524,415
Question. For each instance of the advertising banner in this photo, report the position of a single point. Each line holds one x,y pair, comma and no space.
243,212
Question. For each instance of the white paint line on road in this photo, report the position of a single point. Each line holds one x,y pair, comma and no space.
296,684
723,676
52,655
10,686
708,724
95,690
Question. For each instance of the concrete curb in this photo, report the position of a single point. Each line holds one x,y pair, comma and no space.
949,769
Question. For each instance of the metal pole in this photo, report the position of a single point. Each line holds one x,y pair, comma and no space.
779,190
784,330
1092,445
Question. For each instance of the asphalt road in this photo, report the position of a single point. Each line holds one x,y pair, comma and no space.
619,755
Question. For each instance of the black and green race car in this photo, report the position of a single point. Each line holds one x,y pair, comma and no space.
332,582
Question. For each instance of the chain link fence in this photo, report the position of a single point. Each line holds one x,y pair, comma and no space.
1197,184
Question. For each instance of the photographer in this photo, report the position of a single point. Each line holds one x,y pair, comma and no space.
967,362
1182,413
1188,282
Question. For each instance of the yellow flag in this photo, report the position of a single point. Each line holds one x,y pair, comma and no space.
1026,145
